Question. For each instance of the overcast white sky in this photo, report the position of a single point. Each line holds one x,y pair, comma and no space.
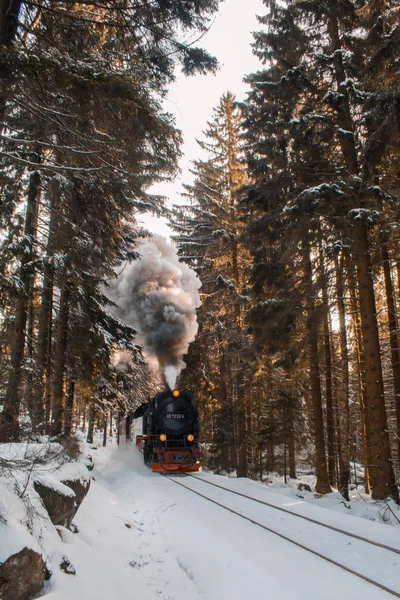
192,99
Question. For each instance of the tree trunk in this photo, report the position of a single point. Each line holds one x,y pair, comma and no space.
228,457
240,399
322,484
105,430
41,387
30,376
92,416
361,375
69,405
84,416
270,457
330,425
9,12
60,356
47,400
258,428
343,386
291,444
12,400
249,427
242,438
394,340
381,469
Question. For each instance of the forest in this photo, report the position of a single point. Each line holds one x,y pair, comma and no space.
291,223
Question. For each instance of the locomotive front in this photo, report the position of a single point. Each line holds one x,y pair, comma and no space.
172,428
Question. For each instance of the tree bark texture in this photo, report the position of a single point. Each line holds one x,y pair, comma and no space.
330,425
105,425
393,331
270,457
92,416
69,405
9,12
343,385
41,391
242,439
356,321
291,443
12,400
322,484
380,463
60,355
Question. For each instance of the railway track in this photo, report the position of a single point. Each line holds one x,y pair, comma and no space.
384,547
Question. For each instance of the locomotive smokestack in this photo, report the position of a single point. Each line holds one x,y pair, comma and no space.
158,295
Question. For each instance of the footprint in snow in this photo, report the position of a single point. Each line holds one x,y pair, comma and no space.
137,565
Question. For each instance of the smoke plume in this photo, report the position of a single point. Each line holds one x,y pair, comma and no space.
158,295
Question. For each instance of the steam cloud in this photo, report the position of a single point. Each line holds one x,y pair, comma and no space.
158,295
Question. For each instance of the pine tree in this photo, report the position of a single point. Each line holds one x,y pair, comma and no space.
62,67
312,156
209,238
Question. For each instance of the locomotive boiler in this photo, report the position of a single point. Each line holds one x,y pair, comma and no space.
165,429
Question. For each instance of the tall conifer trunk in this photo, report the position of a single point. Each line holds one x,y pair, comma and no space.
92,416
343,386
291,442
322,484
30,352
330,425
393,331
380,468
69,404
356,321
41,391
105,425
60,356
9,12
12,400
242,437
270,456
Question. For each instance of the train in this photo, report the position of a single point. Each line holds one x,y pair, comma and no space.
165,429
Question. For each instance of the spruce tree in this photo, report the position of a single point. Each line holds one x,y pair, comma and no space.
81,113
311,137
209,230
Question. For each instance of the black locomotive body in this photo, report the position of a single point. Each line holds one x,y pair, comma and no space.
165,429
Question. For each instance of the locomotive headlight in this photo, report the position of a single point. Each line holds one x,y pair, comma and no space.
175,393
163,437
190,437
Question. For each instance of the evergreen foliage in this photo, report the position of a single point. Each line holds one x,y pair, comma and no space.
83,137
315,146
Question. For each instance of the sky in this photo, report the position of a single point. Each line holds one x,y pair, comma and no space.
192,99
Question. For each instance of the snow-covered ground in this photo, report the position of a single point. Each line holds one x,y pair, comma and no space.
141,536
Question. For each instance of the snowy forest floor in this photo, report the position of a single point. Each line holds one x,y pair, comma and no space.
141,537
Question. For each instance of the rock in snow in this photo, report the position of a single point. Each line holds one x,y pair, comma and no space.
62,498
22,575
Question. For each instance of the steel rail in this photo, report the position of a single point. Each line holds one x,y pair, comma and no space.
294,514
286,538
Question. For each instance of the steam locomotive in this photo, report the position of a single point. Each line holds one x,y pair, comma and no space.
165,429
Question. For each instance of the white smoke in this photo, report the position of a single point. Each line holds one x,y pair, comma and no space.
158,295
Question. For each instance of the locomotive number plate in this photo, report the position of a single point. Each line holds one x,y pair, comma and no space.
178,458
175,416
